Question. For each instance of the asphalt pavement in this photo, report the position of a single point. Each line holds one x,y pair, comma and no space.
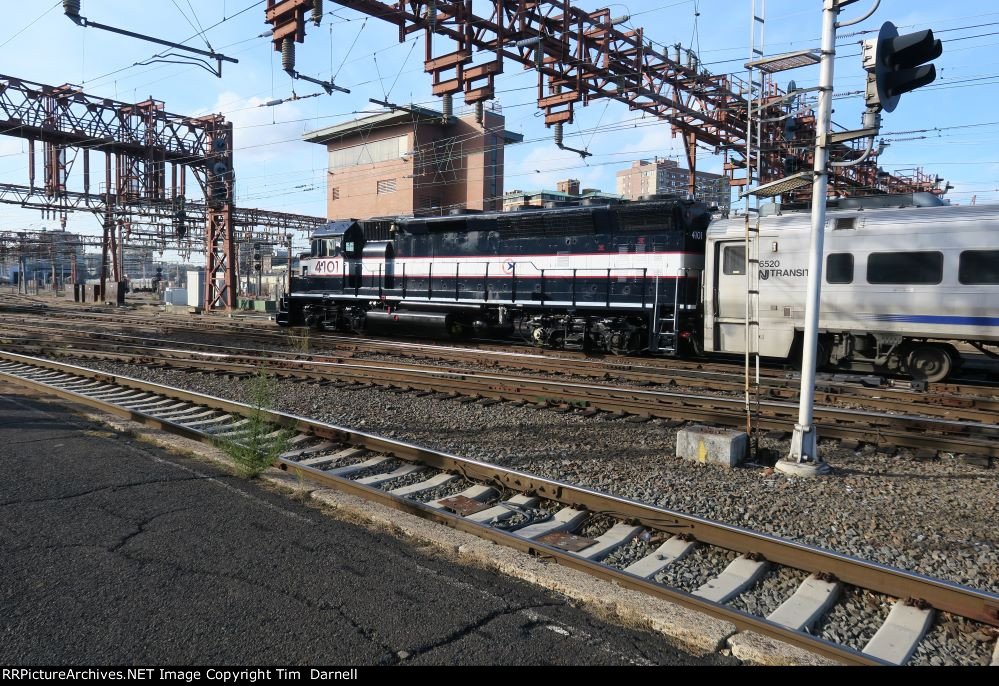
114,551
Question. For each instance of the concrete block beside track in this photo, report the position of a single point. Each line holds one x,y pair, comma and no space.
712,445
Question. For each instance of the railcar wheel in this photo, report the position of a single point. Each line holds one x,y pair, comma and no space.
822,354
930,363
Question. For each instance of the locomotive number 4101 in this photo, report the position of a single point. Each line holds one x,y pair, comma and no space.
327,267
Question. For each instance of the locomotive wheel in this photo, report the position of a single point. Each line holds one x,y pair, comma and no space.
930,363
623,345
457,330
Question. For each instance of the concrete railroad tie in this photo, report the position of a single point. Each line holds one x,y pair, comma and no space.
673,550
902,631
808,603
740,574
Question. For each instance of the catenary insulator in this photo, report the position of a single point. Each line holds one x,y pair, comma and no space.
288,53
479,112
447,107
71,7
558,134
432,16
317,12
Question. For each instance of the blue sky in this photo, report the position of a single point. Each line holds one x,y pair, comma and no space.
275,170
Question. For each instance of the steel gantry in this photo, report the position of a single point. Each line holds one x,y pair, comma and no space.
147,154
581,56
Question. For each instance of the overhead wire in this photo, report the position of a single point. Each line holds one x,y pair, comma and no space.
411,52
30,24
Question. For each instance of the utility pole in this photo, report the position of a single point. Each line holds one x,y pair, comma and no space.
804,458
895,66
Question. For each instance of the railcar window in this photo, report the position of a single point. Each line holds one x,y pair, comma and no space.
905,268
734,260
979,267
839,268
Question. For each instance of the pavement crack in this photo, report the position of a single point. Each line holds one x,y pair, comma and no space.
367,633
48,439
91,491
461,632
141,527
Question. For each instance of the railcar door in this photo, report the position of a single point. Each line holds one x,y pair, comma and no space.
729,291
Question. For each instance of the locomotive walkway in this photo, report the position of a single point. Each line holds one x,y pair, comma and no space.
115,551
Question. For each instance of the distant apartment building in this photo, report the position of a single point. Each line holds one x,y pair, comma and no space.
568,186
567,193
410,161
661,176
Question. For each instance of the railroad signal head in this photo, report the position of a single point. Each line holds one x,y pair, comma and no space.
896,65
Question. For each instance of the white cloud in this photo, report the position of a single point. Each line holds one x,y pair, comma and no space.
261,134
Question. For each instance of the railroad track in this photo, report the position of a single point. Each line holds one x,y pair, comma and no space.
578,527
832,389
975,438
776,381
982,408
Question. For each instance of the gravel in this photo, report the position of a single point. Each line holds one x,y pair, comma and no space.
954,640
690,573
596,525
383,468
526,516
854,619
631,552
773,589
445,491
408,480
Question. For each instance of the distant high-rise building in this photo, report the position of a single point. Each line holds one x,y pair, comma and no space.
568,186
660,177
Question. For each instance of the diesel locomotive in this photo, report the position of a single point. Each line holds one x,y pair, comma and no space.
616,278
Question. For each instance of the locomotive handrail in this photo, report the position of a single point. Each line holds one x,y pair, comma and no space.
355,275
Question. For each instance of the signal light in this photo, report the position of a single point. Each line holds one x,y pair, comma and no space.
895,65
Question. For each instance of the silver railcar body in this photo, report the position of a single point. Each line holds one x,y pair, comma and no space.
890,277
